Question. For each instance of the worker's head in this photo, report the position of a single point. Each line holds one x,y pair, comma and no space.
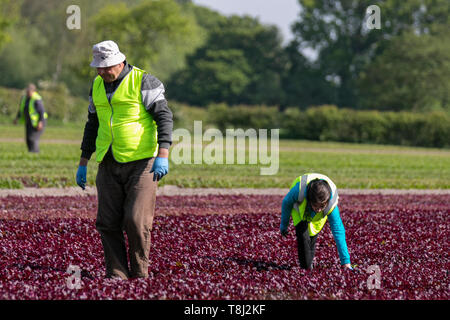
318,194
31,88
109,74
108,60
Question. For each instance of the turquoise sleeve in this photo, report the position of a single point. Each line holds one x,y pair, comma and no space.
338,231
286,206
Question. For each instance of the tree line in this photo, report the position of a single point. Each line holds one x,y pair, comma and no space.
204,57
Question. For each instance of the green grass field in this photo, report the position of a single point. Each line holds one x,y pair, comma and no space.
348,165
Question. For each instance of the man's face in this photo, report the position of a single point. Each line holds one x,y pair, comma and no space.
319,207
109,74
30,90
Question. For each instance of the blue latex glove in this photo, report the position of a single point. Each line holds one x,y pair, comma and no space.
81,176
351,267
160,168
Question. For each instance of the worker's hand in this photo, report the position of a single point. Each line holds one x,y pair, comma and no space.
81,176
40,126
348,266
284,233
160,168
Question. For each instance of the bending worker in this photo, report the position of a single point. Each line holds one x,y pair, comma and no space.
130,128
311,201
32,114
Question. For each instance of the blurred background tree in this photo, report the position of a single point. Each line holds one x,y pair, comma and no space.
204,57
9,14
411,74
154,35
243,57
337,31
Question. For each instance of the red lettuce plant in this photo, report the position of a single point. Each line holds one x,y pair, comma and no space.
229,247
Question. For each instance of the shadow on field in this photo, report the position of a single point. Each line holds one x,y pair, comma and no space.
34,266
258,264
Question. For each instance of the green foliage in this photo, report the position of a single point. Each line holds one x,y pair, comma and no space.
431,129
60,105
241,62
303,83
9,102
204,57
329,123
156,36
345,46
8,16
413,73
148,33
20,63
185,115
244,117
221,75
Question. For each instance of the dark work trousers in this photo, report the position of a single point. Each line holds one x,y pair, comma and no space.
306,245
32,137
126,203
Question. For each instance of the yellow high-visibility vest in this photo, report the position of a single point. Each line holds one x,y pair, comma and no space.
34,116
316,223
124,123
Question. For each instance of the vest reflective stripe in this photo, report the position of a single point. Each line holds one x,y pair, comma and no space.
124,123
34,116
298,211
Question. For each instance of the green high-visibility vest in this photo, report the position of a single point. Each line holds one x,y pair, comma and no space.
34,116
298,211
124,123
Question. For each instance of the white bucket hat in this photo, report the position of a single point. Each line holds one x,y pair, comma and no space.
106,54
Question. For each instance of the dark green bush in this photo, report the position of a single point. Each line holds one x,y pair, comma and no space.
359,127
321,123
329,123
257,117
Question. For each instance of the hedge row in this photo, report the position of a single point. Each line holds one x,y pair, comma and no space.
323,123
329,123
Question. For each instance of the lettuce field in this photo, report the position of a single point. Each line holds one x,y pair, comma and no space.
229,247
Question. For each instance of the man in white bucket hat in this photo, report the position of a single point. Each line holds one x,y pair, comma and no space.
130,128
106,54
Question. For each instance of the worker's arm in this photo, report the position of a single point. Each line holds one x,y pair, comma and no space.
39,107
88,143
90,131
156,104
286,207
338,231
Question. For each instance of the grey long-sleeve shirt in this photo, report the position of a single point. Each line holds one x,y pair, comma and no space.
152,98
